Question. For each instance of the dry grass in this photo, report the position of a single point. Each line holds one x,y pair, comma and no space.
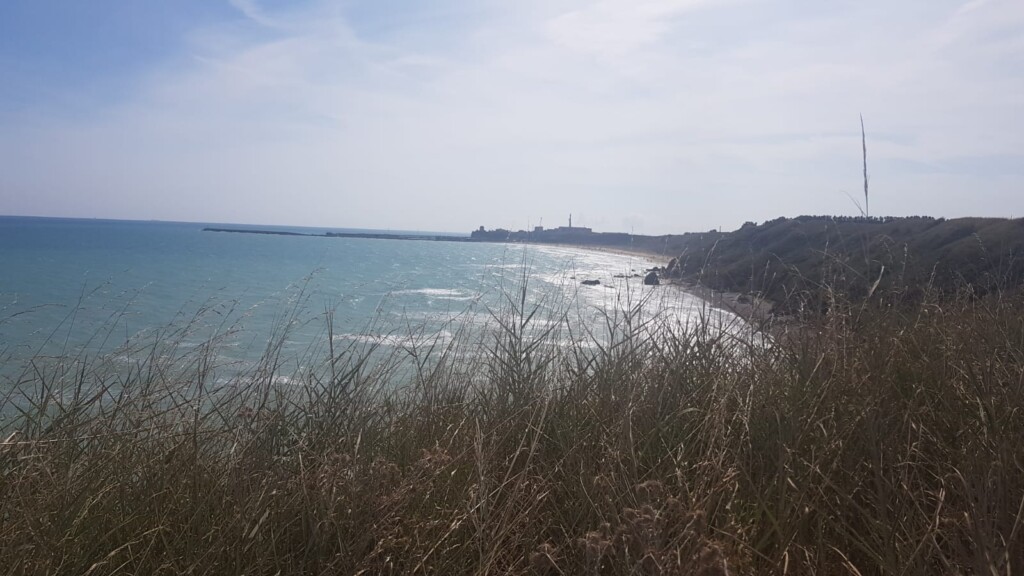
871,441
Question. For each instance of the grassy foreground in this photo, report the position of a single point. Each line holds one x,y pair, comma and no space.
875,440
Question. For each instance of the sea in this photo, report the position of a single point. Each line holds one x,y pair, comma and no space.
85,288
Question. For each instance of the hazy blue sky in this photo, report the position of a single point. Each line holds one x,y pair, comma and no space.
651,115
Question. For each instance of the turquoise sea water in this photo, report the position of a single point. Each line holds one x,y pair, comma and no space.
90,287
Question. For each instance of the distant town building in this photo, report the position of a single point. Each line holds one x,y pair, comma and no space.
570,233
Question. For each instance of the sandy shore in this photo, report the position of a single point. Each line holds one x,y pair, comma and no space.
756,311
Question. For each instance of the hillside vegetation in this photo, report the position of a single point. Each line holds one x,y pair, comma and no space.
790,260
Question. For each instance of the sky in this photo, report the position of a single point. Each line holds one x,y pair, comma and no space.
643,116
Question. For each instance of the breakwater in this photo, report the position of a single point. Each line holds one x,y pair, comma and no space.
371,235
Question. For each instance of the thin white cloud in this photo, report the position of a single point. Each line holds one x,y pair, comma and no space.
596,109
971,6
618,27
981,24
252,10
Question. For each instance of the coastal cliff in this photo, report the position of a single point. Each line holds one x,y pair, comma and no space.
790,260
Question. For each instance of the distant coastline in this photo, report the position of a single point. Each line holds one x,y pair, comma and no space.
784,261
561,236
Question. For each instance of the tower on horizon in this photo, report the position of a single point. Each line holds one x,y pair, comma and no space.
570,220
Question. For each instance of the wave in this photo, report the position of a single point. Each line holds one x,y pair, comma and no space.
395,340
441,293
